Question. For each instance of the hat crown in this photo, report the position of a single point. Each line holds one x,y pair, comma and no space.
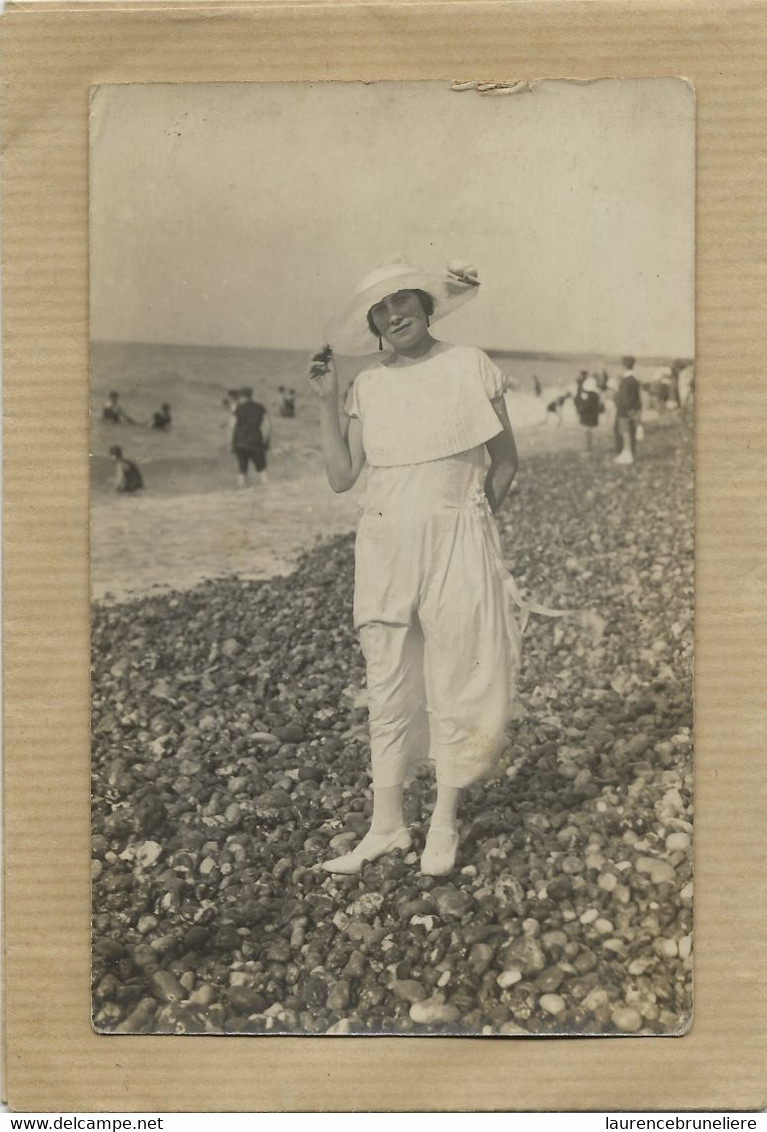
391,270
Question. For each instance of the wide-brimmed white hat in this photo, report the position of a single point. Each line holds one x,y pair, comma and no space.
348,332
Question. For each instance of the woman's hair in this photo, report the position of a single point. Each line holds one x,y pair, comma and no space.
425,299
116,452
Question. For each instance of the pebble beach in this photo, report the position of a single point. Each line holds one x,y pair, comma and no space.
230,755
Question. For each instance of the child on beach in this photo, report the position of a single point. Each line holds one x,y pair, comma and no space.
432,600
588,405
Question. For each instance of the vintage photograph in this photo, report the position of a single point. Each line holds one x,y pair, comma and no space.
392,557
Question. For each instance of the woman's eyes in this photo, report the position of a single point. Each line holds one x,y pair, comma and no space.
402,302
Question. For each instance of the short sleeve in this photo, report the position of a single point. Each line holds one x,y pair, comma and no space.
495,382
352,402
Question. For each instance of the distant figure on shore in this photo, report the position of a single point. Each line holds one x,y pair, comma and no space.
675,395
287,406
113,411
686,385
537,388
251,433
628,409
229,404
161,420
589,406
554,410
128,478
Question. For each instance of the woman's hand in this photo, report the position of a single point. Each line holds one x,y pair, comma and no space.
322,376
341,449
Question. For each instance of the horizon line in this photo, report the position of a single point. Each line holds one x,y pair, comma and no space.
656,357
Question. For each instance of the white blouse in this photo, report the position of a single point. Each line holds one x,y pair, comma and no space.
426,411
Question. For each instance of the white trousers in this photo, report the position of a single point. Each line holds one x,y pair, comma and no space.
440,639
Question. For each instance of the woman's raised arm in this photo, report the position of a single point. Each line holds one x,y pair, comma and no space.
343,454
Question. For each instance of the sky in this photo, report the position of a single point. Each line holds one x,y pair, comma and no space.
244,214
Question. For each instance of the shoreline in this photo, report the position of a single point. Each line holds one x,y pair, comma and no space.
159,544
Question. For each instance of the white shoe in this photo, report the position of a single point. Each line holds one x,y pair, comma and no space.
625,457
372,846
439,853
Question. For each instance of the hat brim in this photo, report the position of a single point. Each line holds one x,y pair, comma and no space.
348,332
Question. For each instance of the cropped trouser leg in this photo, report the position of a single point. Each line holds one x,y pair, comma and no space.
441,669
399,730
471,657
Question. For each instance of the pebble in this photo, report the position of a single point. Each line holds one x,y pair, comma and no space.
552,1003
203,995
524,954
678,842
166,987
554,943
450,901
342,1026
626,1019
509,977
560,888
356,965
584,962
480,958
660,872
148,854
641,965
550,979
408,990
338,998
366,906
434,1012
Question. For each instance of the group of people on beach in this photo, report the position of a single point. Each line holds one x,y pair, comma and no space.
247,421
114,413
128,477
591,393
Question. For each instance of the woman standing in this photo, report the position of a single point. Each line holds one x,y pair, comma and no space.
431,600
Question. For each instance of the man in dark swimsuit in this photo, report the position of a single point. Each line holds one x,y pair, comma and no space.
250,436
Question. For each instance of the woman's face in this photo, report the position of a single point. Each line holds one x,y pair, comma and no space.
401,320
